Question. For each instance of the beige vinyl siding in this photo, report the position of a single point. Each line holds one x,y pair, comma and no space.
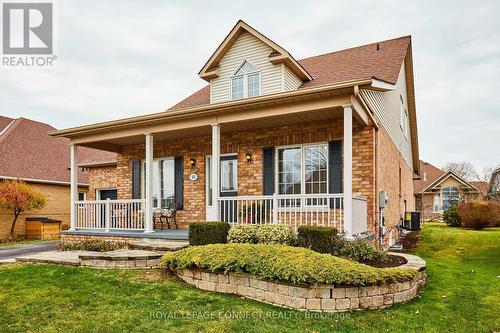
249,48
290,81
386,107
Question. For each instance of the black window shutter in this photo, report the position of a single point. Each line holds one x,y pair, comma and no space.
335,169
179,181
268,168
136,179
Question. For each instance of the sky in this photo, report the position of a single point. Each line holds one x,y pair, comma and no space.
117,59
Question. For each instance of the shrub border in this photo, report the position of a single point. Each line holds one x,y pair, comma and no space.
318,298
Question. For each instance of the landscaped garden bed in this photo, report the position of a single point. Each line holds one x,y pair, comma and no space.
293,277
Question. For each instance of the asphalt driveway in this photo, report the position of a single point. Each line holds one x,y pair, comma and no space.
11,252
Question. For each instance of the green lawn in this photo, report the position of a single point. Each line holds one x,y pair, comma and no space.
462,295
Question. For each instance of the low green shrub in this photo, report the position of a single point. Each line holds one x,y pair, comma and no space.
275,234
243,233
92,245
284,263
479,214
451,217
319,239
203,233
361,251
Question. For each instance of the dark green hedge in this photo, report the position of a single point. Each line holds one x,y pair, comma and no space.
319,239
203,233
284,263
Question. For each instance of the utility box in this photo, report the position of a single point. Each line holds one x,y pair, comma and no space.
383,199
42,228
412,221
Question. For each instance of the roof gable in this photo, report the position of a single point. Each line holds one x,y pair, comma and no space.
351,64
278,54
446,176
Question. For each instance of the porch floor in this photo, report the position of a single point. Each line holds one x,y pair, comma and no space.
171,234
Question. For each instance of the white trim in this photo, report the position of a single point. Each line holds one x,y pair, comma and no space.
74,184
42,181
84,196
148,222
212,213
347,167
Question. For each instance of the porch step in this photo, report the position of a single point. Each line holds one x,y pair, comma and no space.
159,245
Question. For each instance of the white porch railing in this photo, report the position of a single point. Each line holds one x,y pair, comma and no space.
294,210
110,214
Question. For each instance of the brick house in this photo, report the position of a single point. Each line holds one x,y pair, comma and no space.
269,139
437,190
27,152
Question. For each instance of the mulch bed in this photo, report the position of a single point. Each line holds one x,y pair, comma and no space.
388,261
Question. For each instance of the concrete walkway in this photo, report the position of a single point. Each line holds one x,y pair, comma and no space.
9,253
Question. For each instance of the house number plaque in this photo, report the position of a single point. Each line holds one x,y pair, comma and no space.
193,177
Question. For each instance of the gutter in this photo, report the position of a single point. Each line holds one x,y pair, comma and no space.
205,109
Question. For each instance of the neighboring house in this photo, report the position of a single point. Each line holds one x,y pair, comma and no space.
494,185
437,190
27,152
270,139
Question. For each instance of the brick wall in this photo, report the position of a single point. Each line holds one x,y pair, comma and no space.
58,205
101,178
250,179
399,188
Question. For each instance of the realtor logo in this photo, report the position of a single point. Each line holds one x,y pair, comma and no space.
27,28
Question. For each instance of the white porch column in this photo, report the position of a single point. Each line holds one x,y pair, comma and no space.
213,213
148,223
348,170
73,185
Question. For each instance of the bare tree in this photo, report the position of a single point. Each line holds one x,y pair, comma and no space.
487,172
463,169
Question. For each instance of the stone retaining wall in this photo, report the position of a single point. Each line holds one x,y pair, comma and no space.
120,263
320,298
78,238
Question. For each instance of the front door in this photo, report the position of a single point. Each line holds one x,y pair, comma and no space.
229,187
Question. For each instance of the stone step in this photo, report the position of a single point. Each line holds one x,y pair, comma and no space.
159,245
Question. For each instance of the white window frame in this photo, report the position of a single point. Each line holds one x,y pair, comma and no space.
302,169
245,81
143,183
434,208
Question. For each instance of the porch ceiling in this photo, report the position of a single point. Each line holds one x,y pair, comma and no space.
271,112
115,143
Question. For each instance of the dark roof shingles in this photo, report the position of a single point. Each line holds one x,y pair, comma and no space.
28,152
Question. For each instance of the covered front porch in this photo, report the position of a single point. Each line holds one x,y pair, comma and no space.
278,163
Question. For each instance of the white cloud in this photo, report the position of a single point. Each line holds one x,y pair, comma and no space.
123,58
